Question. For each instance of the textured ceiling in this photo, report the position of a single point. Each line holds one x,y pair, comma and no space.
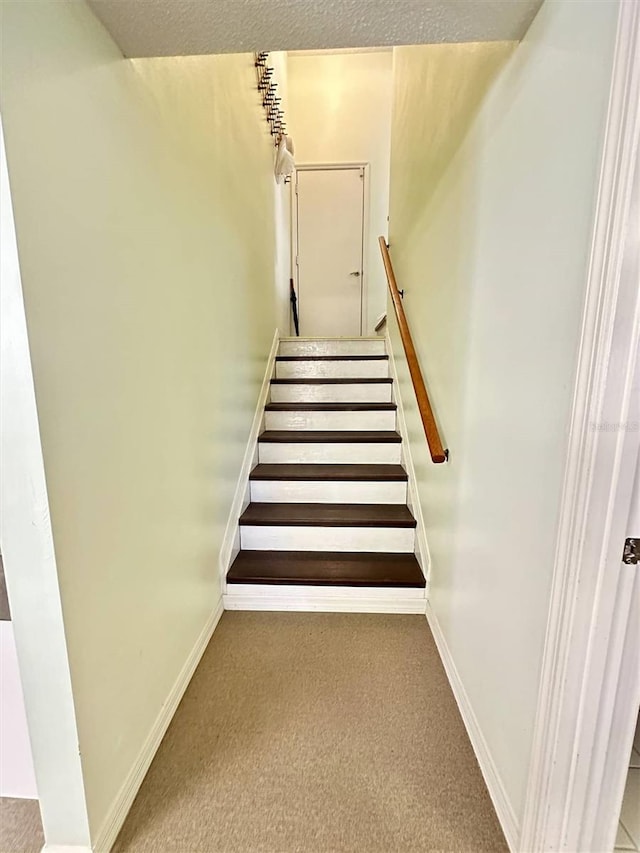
182,27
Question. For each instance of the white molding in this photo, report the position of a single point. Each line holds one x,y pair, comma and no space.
413,496
17,772
574,791
495,786
120,807
231,539
324,599
65,848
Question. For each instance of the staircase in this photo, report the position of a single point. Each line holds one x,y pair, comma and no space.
328,526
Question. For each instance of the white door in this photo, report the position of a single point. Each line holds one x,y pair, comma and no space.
330,204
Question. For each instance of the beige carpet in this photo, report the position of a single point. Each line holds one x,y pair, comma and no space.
311,733
20,826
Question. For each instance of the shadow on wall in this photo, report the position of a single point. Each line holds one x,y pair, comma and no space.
202,139
434,114
453,80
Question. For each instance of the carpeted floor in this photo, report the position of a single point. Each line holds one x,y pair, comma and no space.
20,826
315,733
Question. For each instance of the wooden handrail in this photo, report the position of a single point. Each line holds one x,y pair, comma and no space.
438,453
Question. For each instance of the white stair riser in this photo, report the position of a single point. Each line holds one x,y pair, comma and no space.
330,453
332,346
328,491
329,599
330,420
332,369
397,540
357,393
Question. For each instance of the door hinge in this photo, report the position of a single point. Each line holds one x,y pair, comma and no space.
631,552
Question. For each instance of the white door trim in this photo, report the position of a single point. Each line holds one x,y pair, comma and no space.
583,731
366,207
30,561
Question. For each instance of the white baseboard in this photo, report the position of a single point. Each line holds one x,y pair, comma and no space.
495,786
231,539
413,500
127,793
323,599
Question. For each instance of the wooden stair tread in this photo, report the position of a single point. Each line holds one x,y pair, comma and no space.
333,380
304,436
332,358
330,407
326,568
343,473
327,515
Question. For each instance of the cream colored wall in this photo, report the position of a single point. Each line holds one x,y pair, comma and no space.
340,111
493,186
144,205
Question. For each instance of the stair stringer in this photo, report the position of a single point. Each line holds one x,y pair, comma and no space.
231,540
413,500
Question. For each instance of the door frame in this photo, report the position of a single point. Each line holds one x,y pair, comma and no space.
30,563
590,680
364,283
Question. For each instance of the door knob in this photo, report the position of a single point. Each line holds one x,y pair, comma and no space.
356,273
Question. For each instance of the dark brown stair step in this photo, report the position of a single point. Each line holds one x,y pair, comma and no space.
332,358
344,473
331,407
333,380
327,515
326,568
332,436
